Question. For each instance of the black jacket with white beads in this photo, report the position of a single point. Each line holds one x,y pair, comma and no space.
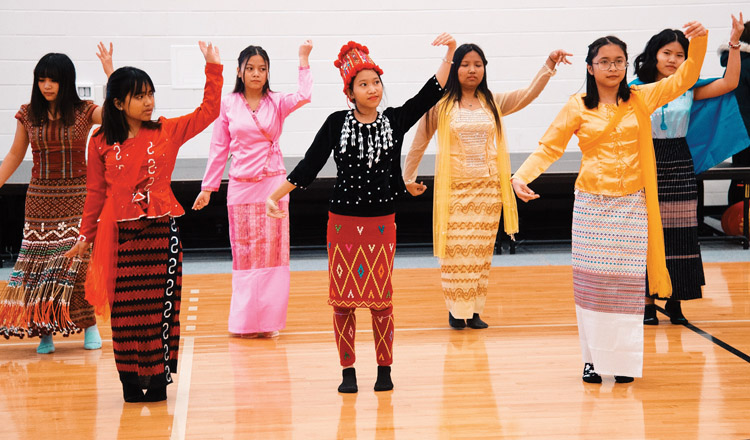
365,187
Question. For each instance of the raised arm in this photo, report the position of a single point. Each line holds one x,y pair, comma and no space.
16,154
444,70
732,74
292,101
185,127
105,56
668,89
511,102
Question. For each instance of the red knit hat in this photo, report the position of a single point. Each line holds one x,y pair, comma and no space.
354,57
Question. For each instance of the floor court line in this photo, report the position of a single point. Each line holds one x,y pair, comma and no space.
419,329
712,338
179,419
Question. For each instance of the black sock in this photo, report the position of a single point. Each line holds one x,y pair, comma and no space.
155,394
132,393
456,323
349,381
384,383
476,322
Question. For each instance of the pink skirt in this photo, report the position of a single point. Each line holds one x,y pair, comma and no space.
260,258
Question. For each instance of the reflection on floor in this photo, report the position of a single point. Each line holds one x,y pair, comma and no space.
518,379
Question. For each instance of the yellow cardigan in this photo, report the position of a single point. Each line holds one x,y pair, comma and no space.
623,162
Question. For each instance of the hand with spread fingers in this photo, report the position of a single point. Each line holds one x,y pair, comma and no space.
210,52
105,56
738,27
560,56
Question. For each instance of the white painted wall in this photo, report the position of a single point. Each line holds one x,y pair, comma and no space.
516,36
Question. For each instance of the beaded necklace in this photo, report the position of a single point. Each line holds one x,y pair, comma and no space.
381,139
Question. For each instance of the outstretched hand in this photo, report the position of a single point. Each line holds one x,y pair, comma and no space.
522,190
105,56
560,56
210,52
694,29
738,27
416,189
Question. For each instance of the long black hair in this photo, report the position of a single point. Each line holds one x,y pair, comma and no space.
591,100
124,82
645,63
250,51
745,37
60,69
453,90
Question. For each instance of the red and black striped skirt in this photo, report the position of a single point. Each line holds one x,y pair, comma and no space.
146,308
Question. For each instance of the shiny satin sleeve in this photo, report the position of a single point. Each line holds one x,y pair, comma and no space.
668,89
553,143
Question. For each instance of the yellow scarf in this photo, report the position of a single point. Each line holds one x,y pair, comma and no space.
659,282
441,201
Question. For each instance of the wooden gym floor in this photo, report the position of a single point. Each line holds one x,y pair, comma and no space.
520,379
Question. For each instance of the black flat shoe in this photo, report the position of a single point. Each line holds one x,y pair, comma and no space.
674,310
649,315
156,394
456,323
132,393
589,375
348,381
623,379
476,322
384,382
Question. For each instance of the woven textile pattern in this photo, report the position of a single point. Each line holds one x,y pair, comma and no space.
473,222
360,260
610,241
45,293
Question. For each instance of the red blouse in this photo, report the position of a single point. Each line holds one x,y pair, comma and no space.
58,150
109,166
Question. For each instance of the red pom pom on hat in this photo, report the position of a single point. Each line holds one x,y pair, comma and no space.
353,58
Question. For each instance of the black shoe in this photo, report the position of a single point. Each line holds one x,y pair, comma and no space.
476,322
456,323
623,379
156,394
132,393
349,381
674,310
384,382
589,375
649,315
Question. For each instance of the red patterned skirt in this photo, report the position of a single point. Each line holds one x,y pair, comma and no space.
360,260
146,308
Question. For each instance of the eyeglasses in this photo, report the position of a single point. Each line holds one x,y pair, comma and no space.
619,64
